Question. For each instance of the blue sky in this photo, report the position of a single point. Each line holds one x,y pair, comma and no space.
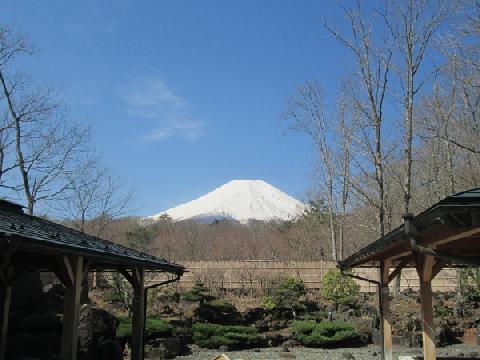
185,95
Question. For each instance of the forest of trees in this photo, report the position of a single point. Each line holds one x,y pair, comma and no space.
401,133
403,130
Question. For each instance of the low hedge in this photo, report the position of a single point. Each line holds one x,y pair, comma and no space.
212,336
153,326
327,334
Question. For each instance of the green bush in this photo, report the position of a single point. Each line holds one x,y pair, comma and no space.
337,287
153,326
168,294
289,292
199,293
212,336
326,334
268,303
349,301
218,312
221,305
304,327
441,311
286,295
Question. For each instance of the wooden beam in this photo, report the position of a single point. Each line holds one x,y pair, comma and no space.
86,268
63,270
398,269
440,236
385,320
138,319
425,274
439,265
129,277
68,349
427,267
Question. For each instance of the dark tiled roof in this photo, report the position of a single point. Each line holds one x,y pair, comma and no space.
37,231
465,201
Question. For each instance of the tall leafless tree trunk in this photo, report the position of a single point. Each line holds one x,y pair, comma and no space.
372,66
412,25
306,113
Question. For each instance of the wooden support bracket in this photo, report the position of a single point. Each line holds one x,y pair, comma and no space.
398,269
439,265
63,270
128,276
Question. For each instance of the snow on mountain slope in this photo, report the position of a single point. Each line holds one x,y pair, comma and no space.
241,200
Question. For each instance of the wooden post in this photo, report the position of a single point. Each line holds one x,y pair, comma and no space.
73,271
425,274
138,320
7,278
385,321
6,293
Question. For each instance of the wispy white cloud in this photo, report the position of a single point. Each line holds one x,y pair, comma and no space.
151,98
187,128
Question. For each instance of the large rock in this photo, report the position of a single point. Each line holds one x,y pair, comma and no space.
364,326
97,333
169,348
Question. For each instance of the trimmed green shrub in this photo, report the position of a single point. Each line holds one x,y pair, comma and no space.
218,312
349,301
199,293
168,294
327,334
304,327
336,287
221,305
289,292
212,336
153,326
286,296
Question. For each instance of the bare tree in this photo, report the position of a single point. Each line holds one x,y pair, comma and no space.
46,142
306,113
412,25
367,93
94,198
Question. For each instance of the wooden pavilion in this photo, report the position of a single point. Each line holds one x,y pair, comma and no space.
445,235
28,242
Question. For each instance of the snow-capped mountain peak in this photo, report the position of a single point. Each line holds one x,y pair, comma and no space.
240,200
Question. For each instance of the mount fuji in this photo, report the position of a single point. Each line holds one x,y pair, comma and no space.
240,200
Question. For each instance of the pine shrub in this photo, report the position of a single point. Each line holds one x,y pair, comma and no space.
327,334
212,336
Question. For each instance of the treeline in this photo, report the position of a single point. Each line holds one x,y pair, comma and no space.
306,238
402,132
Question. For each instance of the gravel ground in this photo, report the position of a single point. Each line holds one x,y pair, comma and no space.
370,352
